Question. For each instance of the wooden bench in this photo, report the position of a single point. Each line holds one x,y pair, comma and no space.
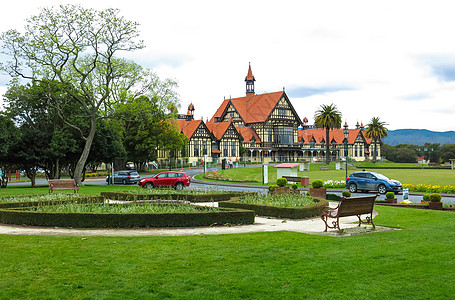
350,207
62,184
323,168
295,179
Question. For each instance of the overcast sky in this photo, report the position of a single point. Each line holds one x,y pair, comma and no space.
390,59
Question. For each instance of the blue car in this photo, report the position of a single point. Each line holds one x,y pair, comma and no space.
372,181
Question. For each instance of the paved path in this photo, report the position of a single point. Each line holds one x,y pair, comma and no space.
262,224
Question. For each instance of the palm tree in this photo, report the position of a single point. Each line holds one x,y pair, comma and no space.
327,117
376,131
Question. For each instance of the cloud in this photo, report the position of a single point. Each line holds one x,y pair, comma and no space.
442,66
416,97
305,91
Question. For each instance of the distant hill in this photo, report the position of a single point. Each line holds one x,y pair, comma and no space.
419,137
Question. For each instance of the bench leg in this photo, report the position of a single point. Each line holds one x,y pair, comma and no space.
368,220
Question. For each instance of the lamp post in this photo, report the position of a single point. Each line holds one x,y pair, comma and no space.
346,135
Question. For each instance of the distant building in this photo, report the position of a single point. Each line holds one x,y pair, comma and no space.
265,127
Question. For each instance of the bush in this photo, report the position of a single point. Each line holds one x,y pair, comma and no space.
317,183
426,197
281,181
346,194
272,188
294,186
390,195
435,198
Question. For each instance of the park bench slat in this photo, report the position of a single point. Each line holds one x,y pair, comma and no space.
62,184
350,207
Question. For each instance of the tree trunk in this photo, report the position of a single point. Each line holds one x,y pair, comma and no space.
327,146
83,159
374,151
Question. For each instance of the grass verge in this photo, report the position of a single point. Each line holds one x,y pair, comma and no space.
414,263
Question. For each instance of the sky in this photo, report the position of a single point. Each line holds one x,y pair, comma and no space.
389,59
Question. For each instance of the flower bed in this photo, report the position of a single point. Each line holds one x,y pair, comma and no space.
292,206
428,188
215,175
82,213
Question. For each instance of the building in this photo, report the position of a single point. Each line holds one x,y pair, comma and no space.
267,122
313,143
263,128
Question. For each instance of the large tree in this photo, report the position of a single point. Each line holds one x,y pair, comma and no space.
77,47
328,117
9,136
376,131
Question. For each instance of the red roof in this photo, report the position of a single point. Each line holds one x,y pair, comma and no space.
287,165
188,127
247,133
337,134
251,108
218,129
250,76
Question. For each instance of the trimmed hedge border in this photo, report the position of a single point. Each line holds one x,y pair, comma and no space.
15,214
126,196
279,212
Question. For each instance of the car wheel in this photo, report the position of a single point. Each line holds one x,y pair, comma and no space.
382,189
353,188
123,181
179,186
148,185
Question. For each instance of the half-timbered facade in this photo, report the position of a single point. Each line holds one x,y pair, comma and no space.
268,128
313,143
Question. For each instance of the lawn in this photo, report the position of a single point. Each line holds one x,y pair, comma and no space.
83,190
406,176
414,263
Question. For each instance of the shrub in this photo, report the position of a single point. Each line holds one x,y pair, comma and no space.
294,186
281,181
390,195
435,198
346,194
272,188
426,197
317,183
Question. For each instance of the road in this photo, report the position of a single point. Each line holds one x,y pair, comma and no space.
415,198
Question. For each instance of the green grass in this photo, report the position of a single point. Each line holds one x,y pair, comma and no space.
129,208
414,263
406,176
83,190
280,200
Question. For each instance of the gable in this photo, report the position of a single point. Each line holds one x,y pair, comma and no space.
284,110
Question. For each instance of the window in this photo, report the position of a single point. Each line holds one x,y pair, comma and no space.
231,114
355,150
225,149
270,135
200,130
204,147
360,151
281,111
196,148
233,149
284,136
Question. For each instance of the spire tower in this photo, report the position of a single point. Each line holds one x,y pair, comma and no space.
249,79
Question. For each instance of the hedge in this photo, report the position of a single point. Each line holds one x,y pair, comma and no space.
83,199
99,220
279,212
15,214
128,196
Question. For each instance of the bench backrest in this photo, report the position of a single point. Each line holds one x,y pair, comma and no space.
56,183
356,206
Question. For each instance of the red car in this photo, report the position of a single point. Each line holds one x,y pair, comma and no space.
176,179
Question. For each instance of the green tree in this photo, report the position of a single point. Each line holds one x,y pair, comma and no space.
29,106
77,47
146,124
9,135
376,131
447,152
327,117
